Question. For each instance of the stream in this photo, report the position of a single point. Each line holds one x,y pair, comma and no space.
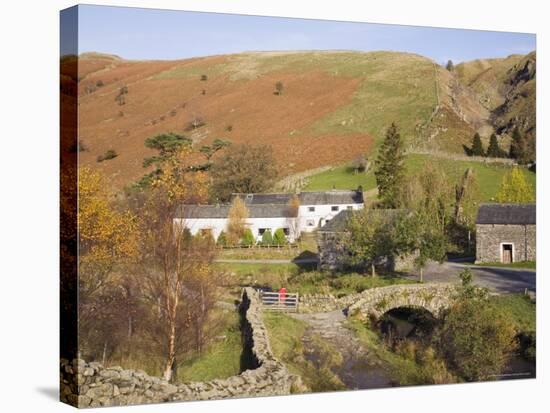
358,370
361,370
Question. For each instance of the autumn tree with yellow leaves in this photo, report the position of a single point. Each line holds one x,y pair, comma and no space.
236,221
515,188
107,239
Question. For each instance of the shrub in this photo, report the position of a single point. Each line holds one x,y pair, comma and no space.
279,88
267,238
195,123
204,78
99,83
109,154
222,239
476,338
248,238
279,238
229,128
186,235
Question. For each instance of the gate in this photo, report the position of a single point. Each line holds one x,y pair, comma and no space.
275,301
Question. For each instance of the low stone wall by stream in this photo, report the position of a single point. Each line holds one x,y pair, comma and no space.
91,384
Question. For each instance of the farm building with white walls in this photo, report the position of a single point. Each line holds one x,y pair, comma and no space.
271,212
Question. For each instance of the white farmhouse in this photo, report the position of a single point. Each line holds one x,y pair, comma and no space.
271,212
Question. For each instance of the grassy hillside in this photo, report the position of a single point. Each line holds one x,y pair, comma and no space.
489,176
334,105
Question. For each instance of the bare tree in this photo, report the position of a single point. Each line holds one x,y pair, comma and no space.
293,209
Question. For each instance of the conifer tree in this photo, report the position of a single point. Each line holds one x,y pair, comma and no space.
267,238
248,238
390,168
518,146
222,239
279,238
477,146
494,151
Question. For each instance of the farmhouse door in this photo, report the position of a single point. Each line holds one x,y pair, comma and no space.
507,257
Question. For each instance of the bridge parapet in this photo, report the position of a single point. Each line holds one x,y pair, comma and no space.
376,301
433,297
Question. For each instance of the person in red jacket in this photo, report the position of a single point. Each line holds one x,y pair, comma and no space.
282,295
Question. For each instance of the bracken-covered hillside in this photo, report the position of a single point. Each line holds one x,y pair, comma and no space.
333,105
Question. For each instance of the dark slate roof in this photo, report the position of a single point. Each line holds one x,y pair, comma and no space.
331,197
222,211
513,214
251,199
339,222
334,197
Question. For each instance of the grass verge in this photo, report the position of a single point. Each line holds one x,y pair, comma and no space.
532,265
285,336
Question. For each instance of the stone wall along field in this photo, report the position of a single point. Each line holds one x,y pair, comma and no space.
91,384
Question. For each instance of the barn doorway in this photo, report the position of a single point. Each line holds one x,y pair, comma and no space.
507,253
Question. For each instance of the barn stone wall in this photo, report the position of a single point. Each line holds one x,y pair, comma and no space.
91,384
490,236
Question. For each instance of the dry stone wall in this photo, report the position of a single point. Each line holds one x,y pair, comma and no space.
92,385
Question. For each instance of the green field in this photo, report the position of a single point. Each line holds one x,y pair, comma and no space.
489,176
220,360
303,280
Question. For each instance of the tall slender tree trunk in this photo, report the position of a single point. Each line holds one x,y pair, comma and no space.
372,270
421,274
171,352
104,353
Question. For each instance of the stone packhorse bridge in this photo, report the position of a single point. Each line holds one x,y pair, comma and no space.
374,302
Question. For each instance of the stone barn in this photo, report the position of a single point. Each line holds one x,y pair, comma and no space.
506,233
332,254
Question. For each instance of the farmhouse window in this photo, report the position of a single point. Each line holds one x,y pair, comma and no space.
334,208
311,209
286,231
349,207
310,223
262,230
